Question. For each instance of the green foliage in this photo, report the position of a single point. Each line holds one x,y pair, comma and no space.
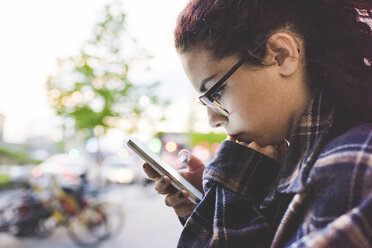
4,180
210,138
21,156
93,88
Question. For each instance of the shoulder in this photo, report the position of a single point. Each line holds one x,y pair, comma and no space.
352,147
343,171
345,160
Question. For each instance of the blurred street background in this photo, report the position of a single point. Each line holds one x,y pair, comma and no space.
77,79
147,223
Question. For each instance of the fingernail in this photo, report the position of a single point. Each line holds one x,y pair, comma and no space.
163,180
180,195
184,158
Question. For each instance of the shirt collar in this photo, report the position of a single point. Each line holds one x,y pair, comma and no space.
306,143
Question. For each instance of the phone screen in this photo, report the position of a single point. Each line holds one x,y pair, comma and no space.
164,169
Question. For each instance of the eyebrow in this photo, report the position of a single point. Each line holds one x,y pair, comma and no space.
205,81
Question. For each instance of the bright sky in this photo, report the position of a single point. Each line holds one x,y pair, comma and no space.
35,33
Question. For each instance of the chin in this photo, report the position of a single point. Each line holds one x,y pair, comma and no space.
270,141
260,140
263,141
243,138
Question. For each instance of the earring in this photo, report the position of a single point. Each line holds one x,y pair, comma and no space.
287,144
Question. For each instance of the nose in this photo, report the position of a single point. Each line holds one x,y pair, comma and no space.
216,119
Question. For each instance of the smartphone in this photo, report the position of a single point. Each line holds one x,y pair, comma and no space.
165,169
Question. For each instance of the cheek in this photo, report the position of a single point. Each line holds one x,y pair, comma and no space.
260,98
252,104
244,116
258,101
258,114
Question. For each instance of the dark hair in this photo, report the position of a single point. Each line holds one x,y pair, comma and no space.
336,34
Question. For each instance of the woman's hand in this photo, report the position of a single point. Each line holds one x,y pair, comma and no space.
277,152
174,198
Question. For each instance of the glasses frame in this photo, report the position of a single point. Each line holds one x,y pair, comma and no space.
207,98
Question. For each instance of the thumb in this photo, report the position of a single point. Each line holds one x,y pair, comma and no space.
194,172
193,163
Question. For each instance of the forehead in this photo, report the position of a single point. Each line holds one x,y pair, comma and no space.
199,65
197,62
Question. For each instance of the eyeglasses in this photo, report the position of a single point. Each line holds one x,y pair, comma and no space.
213,95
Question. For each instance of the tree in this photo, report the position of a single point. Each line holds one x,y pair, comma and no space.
92,89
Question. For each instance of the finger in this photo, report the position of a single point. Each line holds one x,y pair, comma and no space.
255,146
176,199
192,162
181,204
269,150
150,172
194,172
163,186
185,211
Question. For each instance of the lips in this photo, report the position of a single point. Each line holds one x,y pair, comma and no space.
232,137
236,137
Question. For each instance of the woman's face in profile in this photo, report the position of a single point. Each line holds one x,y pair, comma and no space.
261,103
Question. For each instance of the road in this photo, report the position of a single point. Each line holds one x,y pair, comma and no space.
148,223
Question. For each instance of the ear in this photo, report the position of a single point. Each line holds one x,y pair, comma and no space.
283,50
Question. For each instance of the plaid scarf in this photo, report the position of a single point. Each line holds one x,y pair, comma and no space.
320,197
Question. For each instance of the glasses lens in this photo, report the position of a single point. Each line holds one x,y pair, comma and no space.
213,104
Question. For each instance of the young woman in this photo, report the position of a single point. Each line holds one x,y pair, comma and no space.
291,83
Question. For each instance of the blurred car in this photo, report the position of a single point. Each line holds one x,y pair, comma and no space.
20,173
118,170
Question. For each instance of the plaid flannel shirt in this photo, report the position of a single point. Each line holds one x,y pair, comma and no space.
321,196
